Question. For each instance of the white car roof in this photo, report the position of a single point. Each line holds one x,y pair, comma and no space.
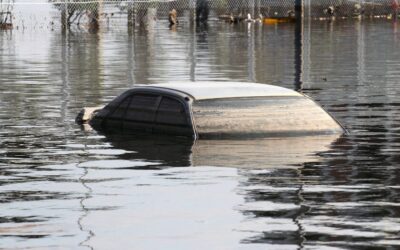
216,90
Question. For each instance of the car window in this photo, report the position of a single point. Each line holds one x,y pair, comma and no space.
172,112
142,108
120,110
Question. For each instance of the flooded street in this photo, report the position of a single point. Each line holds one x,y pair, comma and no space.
64,188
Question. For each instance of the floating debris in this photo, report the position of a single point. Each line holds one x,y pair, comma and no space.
173,17
289,18
275,20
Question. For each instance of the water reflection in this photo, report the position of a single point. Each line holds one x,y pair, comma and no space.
61,187
88,194
260,153
345,200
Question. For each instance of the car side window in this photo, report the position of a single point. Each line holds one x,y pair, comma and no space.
119,111
171,112
142,108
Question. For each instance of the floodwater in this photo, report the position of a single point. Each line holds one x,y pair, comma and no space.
65,188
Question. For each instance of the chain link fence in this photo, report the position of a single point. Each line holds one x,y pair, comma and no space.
136,12
352,8
139,9
6,9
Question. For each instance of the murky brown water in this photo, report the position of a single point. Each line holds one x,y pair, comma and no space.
61,187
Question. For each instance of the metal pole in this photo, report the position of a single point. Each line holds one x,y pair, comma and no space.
192,11
251,7
131,14
64,16
306,46
298,43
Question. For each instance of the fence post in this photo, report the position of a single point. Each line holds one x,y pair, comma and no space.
257,12
298,43
192,11
395,9
131,14
299,9
251,8
64,16
95,16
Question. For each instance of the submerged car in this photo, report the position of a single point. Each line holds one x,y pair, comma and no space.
212,110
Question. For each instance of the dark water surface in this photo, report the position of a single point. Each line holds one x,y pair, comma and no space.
64,188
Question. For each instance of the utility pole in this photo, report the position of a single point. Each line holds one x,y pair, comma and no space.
298,43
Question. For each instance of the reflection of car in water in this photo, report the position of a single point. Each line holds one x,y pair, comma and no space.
250,153
212,110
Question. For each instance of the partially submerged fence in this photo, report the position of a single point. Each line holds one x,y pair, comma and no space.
6,7
77,12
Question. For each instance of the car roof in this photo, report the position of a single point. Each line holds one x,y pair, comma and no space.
216,90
